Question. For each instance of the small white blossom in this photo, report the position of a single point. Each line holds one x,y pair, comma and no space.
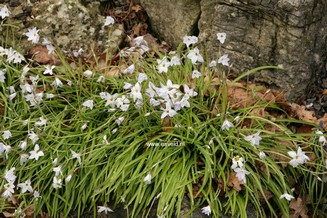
49,96
10,175
26,186
68,178
254,139
195,56
147,178
48,45
175,60
23,158
8,190
142,77
34,137
168,111
84,125
89,104
224,60
2,75
299,157
221,37
101,79
22,145
129,69
33,35
322,139
88,73
241,173
286,196
109,21
262,155
206,210
213,64
104,209
42,122
57,183
76,156
237,162
196,74
57,170
189,40
36,153
227,125
48,70
6,134
163,65
4,12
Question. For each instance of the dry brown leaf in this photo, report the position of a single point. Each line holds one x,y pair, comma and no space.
7,214
30,210
301,113
234,182
136,8
40,54
299,208
324,92
113,71
166,124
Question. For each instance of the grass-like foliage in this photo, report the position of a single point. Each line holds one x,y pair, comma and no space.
135,141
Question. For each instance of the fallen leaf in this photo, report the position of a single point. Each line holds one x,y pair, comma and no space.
234,182
7,214
166,124
299,208
40,54
136,8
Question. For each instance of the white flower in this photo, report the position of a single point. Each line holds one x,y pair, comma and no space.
163,65
254,139
48,70
262,155
4,148
195,56
89,104
23,158
147,178
68,178
168,111
299,157
2,75
175,60
57,183
136,93
142,77
22,145
188,40
83,127
224,60
221,37
10,175
33,35
322,138
196,74
49,96
129,69
76,155
36,195
9,190
26,186
32,136
101,79
206,210
104,209
88,73
286,196
227,125
4,12
57,83
6,134
57,170
109,21
241,173
119,120
48,45
237,162
42,122
36,153
213,64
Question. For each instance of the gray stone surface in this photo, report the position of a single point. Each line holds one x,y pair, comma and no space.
291,33
67,24
171,19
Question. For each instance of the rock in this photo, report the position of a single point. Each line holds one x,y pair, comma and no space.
68,25
289,33
172,20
